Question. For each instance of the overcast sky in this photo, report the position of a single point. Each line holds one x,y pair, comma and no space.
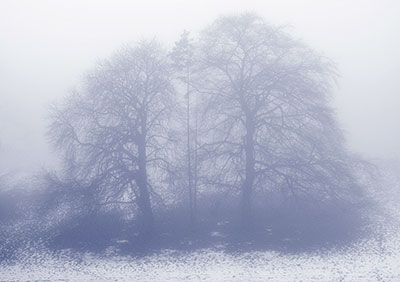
47,46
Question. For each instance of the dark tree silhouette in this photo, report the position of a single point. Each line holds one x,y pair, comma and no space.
113,132
183,59
266,118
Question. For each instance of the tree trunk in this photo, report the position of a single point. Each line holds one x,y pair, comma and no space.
195,166
189,160
190,151
144,195
247,186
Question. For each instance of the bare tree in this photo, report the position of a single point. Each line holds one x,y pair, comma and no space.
114,131
266,116
183,58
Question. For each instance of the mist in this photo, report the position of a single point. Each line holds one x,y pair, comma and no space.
48,49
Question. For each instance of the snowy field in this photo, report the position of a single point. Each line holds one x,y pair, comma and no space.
372,260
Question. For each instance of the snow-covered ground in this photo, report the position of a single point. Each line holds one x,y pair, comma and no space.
376,258
369,260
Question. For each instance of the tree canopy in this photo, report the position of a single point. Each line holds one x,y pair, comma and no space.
265,125
113,132
266,113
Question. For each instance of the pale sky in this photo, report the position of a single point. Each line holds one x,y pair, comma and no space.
47,46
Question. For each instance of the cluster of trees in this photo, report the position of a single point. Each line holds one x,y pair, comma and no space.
240,112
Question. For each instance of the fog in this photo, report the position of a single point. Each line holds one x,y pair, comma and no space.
199,140
47,46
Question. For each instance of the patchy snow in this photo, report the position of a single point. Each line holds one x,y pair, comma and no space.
374,259
369,260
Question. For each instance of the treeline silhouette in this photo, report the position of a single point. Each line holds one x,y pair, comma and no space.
226,138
